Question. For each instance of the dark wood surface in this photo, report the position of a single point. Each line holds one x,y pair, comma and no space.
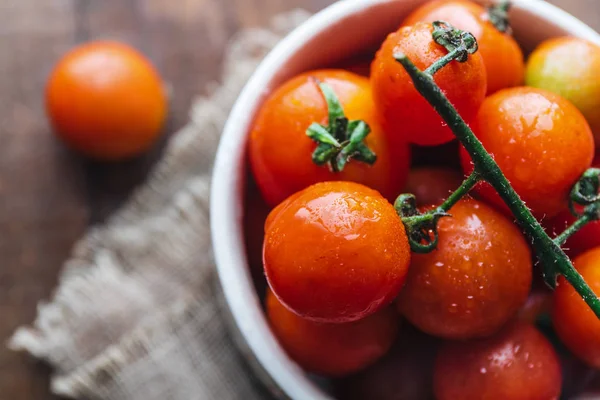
49,196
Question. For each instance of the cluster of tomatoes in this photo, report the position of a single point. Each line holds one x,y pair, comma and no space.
344,288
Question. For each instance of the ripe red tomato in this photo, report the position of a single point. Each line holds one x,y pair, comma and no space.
105,100
405,373
501,53
568,66
280,150
574,322
335,252
541,142
432,185
404,113
332,349
518,363
475,281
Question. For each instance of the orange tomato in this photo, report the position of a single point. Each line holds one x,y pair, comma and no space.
280,150
501,53
518,363
475,281
335,252
105,100
404,113
569,67
574,322
332,349
541,142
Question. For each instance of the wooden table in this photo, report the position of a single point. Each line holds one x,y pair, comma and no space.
49,196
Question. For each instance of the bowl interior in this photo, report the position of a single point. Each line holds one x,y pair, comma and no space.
347,28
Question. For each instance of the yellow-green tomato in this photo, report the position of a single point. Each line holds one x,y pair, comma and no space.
569,67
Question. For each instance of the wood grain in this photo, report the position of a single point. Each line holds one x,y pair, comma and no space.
48,195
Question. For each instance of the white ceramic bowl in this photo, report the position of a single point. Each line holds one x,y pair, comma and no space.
334,34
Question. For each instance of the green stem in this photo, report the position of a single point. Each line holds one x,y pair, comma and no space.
459,193
552,257
573,229
442,62
498,15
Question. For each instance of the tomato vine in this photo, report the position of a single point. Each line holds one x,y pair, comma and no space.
421,228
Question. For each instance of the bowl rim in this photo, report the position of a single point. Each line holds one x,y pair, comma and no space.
228,179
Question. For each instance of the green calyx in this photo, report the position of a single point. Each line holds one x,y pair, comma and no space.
421,228
498,15
457,42
341,140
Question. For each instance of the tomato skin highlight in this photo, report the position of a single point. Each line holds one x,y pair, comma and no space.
568,66
574,322
106,101
518,363
475,281
540,141
281,152
335,252
332,349
501,54
405,115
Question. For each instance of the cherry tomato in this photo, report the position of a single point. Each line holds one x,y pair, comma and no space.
405,114
475,281
332,349
569,67
518,363
405,373
541,142
574,322
335,252
105,100
501,54
432,185
280,150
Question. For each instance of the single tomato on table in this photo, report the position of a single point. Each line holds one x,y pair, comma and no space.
332,349
502,56
281,152
475,281
569,66
335,252
106,100
574,322
518,363
405,115
540,141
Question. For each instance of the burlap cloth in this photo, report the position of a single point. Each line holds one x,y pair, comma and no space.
135,315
